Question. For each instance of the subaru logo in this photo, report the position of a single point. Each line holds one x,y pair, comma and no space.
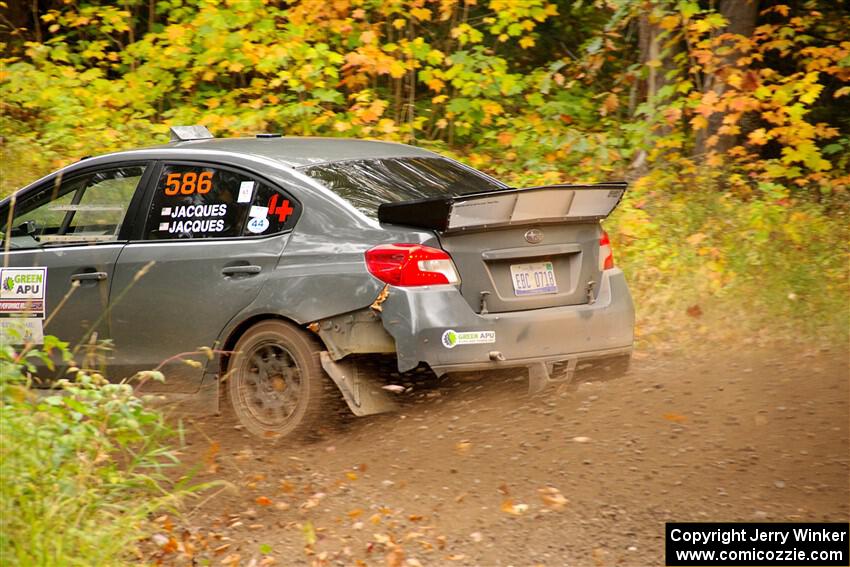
534,236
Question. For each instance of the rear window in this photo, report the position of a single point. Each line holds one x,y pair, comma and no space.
368,183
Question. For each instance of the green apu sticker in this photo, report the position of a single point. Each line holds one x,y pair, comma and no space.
452,338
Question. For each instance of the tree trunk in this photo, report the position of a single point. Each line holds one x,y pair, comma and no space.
741,17
655,49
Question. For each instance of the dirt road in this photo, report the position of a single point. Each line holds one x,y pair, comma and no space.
478,474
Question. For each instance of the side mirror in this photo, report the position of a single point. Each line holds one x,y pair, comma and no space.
26,228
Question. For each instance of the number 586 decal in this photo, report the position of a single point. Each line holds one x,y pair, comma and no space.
188,183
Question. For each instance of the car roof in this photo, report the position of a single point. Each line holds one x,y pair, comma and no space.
303,151
287,151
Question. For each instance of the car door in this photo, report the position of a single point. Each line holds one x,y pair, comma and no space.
66,235
210,237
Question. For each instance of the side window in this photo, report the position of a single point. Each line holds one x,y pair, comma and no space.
102,205
195,201
271,211
85,208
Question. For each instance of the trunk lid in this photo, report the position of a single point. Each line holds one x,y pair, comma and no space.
519,249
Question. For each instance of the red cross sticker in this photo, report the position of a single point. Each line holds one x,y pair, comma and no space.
282,211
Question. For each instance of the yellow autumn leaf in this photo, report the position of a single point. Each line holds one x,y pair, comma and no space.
758,137
436,85
174,32
399,23
669,22
699,122
610,104
492,108
422,14
811,93
505,138
387,126
701,26
397,69
734,79
509,507
695,238
526,42
672,115
714,159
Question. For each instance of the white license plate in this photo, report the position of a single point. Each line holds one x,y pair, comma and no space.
531,279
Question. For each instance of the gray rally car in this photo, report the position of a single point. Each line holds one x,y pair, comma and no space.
269,269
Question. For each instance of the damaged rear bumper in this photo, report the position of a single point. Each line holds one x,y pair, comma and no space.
435,325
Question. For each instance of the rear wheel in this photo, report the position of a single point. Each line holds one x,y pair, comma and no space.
276,384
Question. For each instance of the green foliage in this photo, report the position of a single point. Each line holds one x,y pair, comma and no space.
754,266
82,468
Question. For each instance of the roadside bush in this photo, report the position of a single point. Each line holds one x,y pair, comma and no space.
759,267
80,470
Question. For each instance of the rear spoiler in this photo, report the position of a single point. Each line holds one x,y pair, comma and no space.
507,207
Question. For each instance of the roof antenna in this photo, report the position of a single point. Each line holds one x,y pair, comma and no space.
185,133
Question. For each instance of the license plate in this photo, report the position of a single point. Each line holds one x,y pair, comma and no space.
532,279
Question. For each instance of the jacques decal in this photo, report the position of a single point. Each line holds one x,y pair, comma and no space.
191,211
193,226
202,224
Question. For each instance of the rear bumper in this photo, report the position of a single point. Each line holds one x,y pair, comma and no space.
419,318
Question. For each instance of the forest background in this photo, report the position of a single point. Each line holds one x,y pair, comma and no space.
729,118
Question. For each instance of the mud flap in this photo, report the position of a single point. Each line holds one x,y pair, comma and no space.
540,376
363,395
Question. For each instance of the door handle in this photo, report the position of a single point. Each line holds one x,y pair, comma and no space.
233,270
89,276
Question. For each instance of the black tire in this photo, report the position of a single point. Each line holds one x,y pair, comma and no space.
276,384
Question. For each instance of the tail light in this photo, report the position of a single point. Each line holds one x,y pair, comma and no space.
606,254
407,265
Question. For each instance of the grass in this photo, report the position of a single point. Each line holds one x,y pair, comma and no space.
749,267
81,470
